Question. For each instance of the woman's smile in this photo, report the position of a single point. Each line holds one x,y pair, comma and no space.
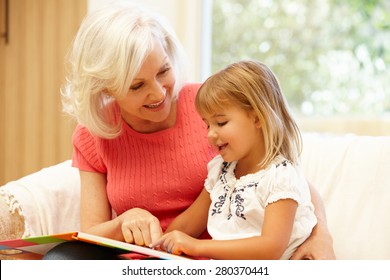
155,105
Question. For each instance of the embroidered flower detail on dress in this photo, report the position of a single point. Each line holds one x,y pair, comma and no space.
284,163
224,170
232,197
238,200
218,205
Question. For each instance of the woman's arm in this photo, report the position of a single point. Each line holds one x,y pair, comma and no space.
276,232
95,209
134,226
320,243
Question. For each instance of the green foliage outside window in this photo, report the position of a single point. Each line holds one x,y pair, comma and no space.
331,56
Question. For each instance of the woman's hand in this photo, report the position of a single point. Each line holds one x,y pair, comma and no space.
319,246
177,242
140,227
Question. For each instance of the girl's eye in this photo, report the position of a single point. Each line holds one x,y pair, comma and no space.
221,123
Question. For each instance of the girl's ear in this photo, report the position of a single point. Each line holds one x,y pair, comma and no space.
256,119
257,122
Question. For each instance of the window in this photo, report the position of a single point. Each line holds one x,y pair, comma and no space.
332,57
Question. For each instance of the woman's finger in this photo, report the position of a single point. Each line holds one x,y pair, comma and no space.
138,236
132,233
127,234
155,231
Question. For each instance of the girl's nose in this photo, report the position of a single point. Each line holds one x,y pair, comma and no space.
211,134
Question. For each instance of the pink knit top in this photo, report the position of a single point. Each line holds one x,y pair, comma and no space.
161,172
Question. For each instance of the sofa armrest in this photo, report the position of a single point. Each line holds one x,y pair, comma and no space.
47,202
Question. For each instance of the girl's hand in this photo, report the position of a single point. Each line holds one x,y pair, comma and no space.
140,227
177,242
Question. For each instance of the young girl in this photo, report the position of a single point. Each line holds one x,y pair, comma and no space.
256,202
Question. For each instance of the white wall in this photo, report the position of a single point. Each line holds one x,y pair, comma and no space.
184,16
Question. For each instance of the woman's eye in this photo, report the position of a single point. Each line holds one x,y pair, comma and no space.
164,71
136,86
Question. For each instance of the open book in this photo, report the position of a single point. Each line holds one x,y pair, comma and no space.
33,248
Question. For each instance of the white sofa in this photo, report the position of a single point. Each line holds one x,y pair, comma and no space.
352,174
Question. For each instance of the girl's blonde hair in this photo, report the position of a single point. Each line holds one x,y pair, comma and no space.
107,53
251,85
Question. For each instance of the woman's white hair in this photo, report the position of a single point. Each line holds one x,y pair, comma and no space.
107,53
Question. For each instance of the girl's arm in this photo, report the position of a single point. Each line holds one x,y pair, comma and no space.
134,226
193,221
275,235
320,243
